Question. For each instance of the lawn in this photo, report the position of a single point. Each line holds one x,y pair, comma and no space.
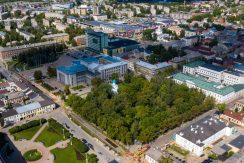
26,134
49,137
72,154
65,155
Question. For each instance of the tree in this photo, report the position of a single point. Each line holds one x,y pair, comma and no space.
182,34
38,75
147,34
96,82
66,90
221,107
51,72
115,76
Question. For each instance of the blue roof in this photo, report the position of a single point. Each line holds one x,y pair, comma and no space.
28,107
73,69
239,67
213,67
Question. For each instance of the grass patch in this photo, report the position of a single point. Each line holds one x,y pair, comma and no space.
26,134
72,154
49,137
52,134
47,86
179,150
78,87
32,155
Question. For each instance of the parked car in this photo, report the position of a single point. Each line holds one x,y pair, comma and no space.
90,146
84,141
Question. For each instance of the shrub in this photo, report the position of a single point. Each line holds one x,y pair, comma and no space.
57,127
32,155
28,125
80,146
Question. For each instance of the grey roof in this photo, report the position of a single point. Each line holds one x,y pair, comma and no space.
154,154
236,158
32,95
9,113
238,142
202,130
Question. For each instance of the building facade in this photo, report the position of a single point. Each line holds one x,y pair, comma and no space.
96,41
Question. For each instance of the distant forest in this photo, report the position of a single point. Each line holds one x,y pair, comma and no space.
5,1
150,1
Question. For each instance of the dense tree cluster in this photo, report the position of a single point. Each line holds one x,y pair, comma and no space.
38,56
142,110
160,54
149,35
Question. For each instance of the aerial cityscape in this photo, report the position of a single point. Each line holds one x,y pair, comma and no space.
121,81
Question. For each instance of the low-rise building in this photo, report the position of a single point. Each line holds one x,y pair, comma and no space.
60,37
153,156
80,11
239,104
190,32
25,34
202,134
100,17
176,29
233,117
149,70
14,115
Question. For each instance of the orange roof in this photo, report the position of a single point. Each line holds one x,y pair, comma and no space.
235,115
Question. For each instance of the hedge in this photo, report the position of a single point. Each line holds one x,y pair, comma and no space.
80,146
58,127
28,125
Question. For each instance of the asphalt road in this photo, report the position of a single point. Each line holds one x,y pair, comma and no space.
103,153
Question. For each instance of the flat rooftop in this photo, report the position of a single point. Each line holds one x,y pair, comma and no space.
202,130
153,67
72,69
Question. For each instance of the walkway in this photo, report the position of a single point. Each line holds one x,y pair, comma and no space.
38,132
61,144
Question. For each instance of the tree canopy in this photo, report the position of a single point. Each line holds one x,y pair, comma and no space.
142,109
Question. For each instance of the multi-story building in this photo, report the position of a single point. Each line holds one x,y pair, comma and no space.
176,29
96,41
60,26
96,10
149,70
46,22
14,115
85,69
219,92
239,105
60,37
214,73
79,11
6,53
202,134
54,15
190,32
25,34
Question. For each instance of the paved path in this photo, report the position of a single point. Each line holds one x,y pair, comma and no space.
38,132
25,145
61,144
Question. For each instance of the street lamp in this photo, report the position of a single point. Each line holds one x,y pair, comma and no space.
70,139
63,133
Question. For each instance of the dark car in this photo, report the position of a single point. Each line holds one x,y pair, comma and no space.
90,146
84,141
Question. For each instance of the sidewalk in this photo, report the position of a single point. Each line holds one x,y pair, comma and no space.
61,144
38,132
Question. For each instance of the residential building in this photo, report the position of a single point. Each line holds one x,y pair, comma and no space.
85,69
80,11
6,53
96,41
176,29
72,19
100,17
96,10
80,40
149,70
239,105
25,34
46,22
233,77
60,37
153,155
233,117
219,92
17,114
65,6
190,32
202,134
54,15
60,26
